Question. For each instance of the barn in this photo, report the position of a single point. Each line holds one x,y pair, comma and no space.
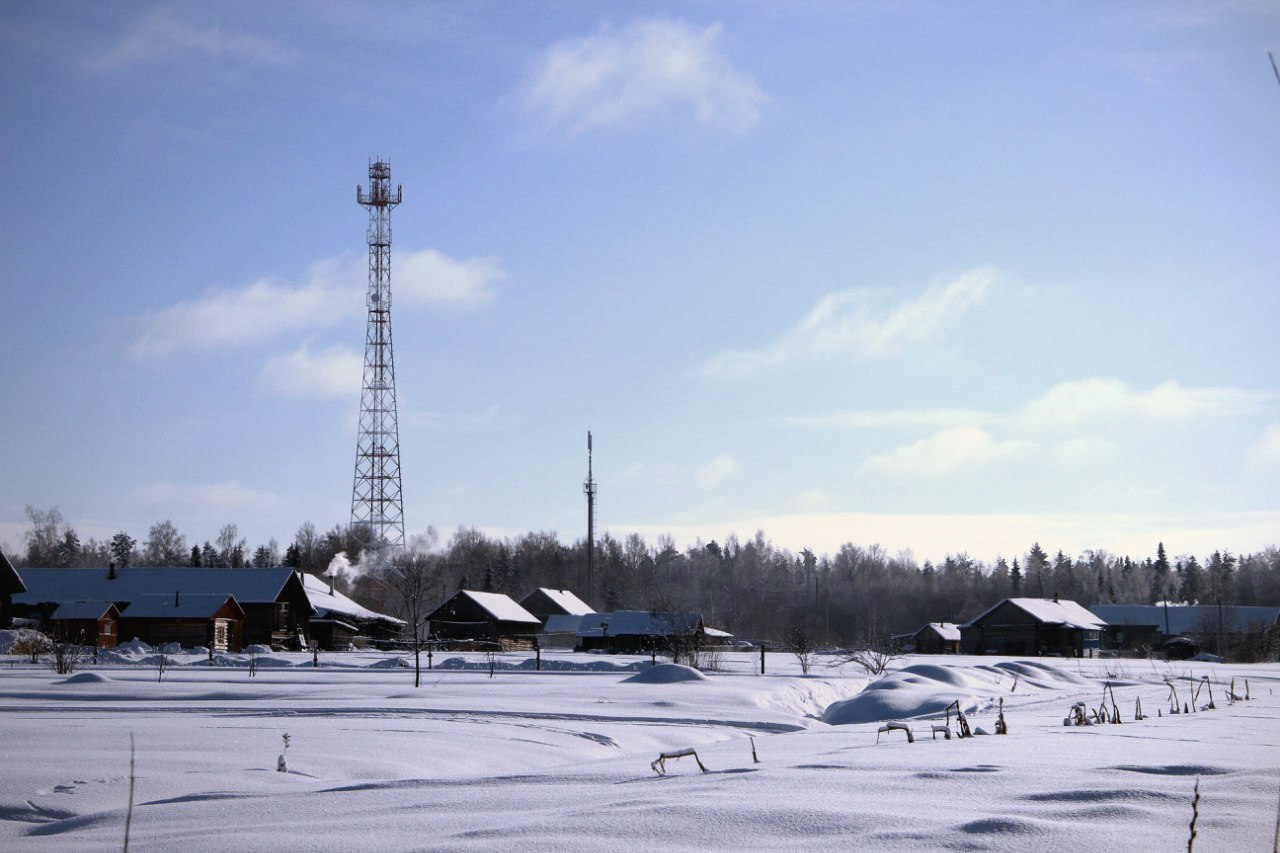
1242,632
470,616
212,620
276,611
1033,626
340,623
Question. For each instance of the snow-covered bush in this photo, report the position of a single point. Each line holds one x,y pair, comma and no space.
30,642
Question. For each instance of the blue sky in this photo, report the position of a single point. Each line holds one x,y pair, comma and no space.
936,276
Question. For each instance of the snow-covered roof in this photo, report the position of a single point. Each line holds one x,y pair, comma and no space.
1187,618
197,605
640,623
82,610
249,586
334,603
501,607
1050,612
948,631
567,601
562,624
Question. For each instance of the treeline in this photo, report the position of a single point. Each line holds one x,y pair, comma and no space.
750,588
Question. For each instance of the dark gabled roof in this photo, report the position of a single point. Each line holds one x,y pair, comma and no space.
248,586
198,605
83,610
1049,612
1187,618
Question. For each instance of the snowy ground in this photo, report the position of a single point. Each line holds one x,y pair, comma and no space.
560,759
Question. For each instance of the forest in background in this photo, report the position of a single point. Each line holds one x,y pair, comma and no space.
750,588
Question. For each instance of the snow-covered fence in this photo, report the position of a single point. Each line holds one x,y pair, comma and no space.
659,764
896,727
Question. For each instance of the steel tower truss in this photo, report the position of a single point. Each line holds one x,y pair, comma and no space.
377,509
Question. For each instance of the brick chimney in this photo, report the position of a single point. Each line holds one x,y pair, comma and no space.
111,570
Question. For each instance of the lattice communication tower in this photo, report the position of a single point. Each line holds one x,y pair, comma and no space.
377,509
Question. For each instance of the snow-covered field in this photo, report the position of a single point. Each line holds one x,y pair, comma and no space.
560,759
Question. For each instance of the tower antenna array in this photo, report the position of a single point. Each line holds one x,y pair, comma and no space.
589,489
377,509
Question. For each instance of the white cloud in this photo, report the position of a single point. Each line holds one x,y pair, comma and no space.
1266,452
228,498
643,69
844,325
892,419
453,423
1083,403
945,452
331,290
162,35
716,471
1076,406
333,372
430,277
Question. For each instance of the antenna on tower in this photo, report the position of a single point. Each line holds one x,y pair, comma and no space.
589,489
377,508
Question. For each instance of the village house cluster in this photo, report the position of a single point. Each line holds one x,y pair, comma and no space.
228,610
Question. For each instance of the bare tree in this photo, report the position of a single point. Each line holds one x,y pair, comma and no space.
875,657
798,639
412,579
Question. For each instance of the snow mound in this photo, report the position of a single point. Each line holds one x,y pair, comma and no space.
666,673
389,663
1042,674
134,647
86,678
257,649
917,691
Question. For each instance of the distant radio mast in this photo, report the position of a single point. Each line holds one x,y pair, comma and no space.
589,489
377,510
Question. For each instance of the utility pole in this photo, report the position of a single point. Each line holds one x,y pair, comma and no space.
589,489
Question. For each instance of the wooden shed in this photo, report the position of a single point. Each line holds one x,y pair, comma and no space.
937,638
189,619
483,617
1033,626
88,623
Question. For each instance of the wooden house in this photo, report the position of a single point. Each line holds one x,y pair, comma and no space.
635,631
488,617
276,609
545,603
936,638
339,623
212,620
1033,626
1179,630
10,585
87,623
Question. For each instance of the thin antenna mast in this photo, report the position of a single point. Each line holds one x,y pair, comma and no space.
589,489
